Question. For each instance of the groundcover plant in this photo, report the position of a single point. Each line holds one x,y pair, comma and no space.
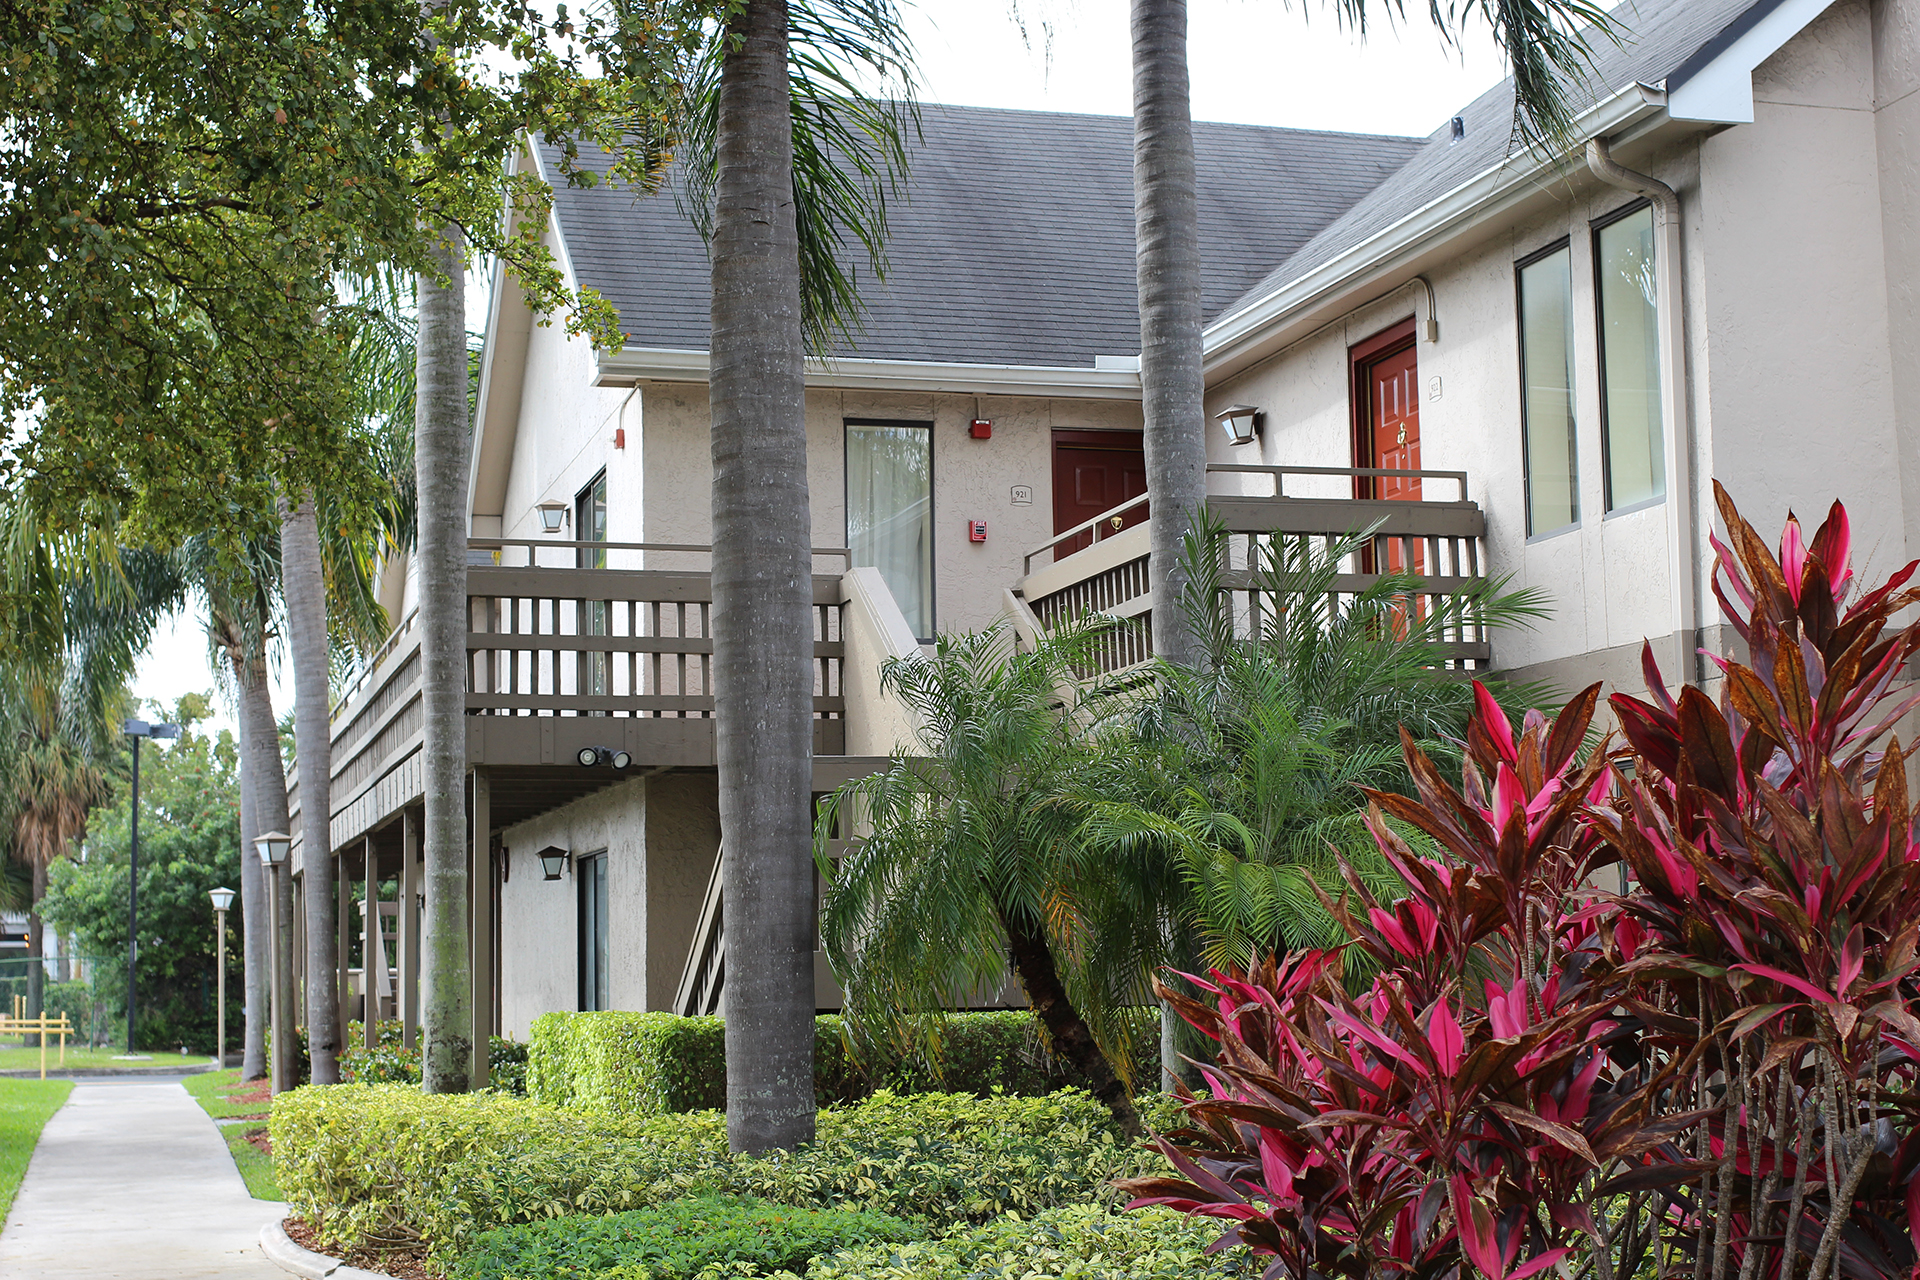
1708,1073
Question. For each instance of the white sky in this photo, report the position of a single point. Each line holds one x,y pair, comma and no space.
1266,62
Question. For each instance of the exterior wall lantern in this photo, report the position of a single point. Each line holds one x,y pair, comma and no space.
553,861
1241,422
594,757
553,516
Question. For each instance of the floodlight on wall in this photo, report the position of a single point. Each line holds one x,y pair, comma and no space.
595,757
553,861
1241,422
553,516
273,847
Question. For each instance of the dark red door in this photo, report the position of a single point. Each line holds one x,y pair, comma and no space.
1386,403
1094,472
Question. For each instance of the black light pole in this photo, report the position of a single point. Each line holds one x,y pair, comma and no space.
137,729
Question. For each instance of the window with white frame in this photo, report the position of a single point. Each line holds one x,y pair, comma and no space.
1546,382
1629,323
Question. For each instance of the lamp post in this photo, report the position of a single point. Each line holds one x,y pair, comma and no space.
222,899
137,730
273,847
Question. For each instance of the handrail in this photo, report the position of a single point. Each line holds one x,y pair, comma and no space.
534,544
694,995
372,664
1279,474
1093,525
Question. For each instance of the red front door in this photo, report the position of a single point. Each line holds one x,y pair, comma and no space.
1386,395
1094,472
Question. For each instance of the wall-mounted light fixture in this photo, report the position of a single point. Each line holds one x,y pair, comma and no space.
603,757
553,861
1241,422
553,516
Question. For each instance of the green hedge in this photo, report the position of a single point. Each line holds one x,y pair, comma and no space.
1080,1242
676,1241
386,1164
657,1063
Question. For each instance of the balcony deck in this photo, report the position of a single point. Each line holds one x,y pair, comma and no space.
1109,576
560,659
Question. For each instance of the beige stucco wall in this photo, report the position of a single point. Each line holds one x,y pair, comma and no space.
660,835
972,479
1607,578
1800,257
1801,407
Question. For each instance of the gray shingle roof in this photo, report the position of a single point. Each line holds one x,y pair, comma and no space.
1016,246
1659,36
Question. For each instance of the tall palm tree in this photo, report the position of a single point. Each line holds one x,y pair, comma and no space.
304,589
762,590
441,452
1545,47
781,90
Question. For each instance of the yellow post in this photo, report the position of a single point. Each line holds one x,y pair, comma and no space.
43,1046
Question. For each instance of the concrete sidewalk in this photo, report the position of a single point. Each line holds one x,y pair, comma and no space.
131,1181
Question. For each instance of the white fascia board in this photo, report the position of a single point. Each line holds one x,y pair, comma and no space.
655,364
489,352
1716,84
1481,197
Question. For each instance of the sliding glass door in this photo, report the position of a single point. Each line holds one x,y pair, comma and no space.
890,511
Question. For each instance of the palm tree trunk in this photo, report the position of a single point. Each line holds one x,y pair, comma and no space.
36,951
304,589
263,773
441,450
253,892
1167,247
1067,1032
762,594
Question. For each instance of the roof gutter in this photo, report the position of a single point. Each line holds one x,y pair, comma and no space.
1482,196
655,364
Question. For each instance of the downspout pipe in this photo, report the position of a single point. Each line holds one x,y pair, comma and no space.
1683,564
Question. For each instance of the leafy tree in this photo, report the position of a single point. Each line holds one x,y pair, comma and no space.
189,844
973,864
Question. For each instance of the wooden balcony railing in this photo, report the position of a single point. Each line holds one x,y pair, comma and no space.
1439,540
560,658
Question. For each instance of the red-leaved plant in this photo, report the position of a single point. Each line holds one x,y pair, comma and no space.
1708,1073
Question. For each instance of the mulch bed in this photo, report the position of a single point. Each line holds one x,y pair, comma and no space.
262,1092
259,1140
406,1264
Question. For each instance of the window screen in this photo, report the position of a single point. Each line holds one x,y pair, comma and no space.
1546,379
890,512
1629,360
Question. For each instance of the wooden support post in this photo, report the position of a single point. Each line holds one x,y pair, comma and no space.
480,924
297,986
372,951
409,948
343,934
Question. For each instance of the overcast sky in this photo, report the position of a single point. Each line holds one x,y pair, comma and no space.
1264,62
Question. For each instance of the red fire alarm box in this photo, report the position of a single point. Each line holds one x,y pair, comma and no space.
976,531
981,429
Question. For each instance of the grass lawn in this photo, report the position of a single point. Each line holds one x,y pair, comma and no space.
211,1091
14,1058
25,1106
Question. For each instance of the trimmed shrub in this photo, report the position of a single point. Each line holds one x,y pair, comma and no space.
385,1165
657,1063
676,1241
1080,1242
